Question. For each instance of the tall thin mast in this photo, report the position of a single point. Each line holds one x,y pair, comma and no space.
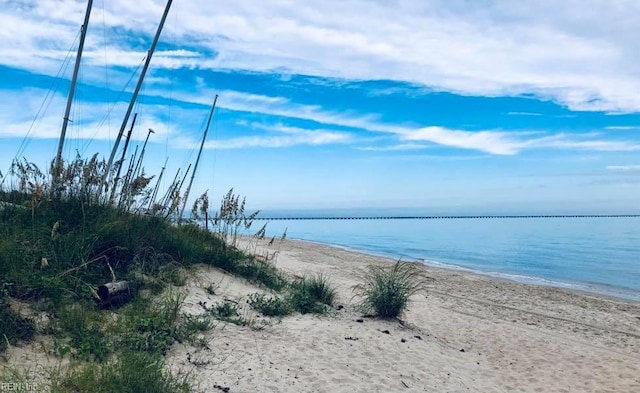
124,152
195,168
72,90
155,190
136,91
138,166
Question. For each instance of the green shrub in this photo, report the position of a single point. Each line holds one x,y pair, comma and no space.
191,325
304,303
227,312
311,294
386,290
320,288
270,306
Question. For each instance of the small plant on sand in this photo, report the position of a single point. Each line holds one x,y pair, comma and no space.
211,288
192,325
320,288
385,290
227,312
271,306
311,294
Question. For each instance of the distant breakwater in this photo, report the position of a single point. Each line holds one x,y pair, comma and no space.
472,217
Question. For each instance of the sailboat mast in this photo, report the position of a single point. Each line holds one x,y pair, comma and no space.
195,168
72,89
124,152
136,91
136,170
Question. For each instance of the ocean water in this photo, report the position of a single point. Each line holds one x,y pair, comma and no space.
600,255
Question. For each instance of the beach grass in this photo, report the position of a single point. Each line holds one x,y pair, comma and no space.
308,294
386,290
269,305
312,294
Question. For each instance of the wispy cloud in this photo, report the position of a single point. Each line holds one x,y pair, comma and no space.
333,127
396,147
524,114
624,168
592,145
278,136
622,128
487,141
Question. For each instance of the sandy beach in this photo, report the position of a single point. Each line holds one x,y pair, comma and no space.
465,333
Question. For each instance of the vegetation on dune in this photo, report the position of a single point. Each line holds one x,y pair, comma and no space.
60,243
308,294
130,371
386,290
63,236
312,294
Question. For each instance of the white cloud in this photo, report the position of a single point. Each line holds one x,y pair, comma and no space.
397,147
277,106
524,114
561,142
624,168
622,128
582,54
487,141
497,142
89,120
279,137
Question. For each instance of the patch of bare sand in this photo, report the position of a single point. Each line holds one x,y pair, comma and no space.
465,333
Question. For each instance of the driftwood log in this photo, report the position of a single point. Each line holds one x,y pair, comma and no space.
114,290
116,293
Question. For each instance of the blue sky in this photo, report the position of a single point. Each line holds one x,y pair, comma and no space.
443,106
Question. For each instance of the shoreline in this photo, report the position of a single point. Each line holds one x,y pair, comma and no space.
583,288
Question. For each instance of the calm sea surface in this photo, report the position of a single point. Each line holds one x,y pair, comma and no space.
600,255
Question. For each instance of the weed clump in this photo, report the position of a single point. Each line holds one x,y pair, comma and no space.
311,294
270,306
386,290
227,312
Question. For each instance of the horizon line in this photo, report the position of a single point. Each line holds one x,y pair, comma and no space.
447,217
